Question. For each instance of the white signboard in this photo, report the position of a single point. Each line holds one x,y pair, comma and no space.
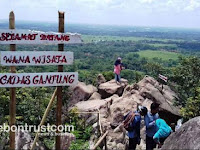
39,58
164,78
38,79
15,36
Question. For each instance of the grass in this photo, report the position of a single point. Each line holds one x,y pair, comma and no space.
94,38
164,45
164,55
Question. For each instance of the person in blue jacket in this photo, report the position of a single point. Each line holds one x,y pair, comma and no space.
150,123
132,124
163,131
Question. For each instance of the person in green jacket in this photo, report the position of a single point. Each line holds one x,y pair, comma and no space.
163,131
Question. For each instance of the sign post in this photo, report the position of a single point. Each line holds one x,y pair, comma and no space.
163,79
21,36
29,58
38,79
38,58
12,109
59,88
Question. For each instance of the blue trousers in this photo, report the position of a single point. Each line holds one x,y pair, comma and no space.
117,78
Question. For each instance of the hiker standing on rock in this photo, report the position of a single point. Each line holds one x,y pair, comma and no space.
117,70
132,124
150,123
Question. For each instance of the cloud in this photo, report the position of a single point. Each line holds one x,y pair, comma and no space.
106,11
136,6
147,1
193,5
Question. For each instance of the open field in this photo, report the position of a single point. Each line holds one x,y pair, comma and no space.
163,45
94,38
164,55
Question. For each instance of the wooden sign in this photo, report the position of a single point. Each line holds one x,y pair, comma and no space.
38,58
37,37
38,79
164,78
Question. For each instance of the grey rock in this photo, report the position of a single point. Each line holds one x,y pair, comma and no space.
111,87
100,79
81,92
187,137
23,141
66,140
94,96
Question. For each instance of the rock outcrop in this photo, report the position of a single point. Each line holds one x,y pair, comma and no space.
4,141
109,88
23,140
100,79
66,140
149,90
187,137
90,105
118,99
95,95
81,92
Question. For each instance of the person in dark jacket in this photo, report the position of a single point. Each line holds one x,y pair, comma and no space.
132,124
150,123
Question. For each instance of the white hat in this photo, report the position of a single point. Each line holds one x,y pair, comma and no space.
142,109
119,58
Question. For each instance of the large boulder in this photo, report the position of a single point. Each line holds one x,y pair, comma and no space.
111,87
23,141
81,92
95,95
4,141
149,90
121,106
66,140
87,106
187,137
100,79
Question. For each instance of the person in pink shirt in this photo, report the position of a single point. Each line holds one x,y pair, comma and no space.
117,70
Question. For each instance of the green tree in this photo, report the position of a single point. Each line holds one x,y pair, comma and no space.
4,104
82,131
31,104
192,106
186,76
154,69
109,75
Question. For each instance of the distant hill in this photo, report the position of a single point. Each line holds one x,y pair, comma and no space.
150,32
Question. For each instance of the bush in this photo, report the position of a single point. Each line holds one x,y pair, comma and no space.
81,132
109,75
192,107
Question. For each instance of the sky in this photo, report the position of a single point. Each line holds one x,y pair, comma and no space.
163,13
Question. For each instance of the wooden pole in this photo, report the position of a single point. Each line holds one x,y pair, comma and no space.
59,92
99,141
44,117
86,112
105,143
99,118
12,109
98,125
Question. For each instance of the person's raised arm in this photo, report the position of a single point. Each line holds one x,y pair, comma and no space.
148,123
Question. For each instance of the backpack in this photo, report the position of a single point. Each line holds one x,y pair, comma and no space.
128,119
